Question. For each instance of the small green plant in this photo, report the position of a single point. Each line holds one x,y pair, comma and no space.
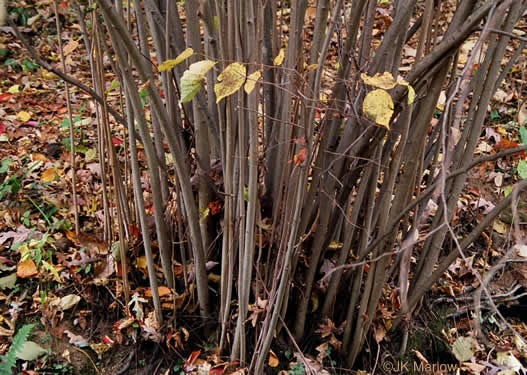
178,367
25,218
297,369
13,183
495,116
8,362
53,367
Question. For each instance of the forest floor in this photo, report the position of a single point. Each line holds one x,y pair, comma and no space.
67,285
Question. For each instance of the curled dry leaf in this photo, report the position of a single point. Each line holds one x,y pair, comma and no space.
273,359
27,269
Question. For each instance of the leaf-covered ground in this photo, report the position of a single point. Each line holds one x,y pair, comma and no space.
68,285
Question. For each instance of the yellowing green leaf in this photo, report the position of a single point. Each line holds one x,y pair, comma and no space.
382,81
23,116
51,268
201,67
251,81
499,226
190,85
90,155
279,58
192,77
508,359
378,106
230,80
14,89
8,282
115,84
169,64
47,75
30,351
463,348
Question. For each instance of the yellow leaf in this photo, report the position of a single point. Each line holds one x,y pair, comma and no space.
273,359
335,245
14,89
47,75
100,348
500,227
378,106
382,81
279,58
311,67
503,132
48,175
411,91
230,80
411,94
252,79
214,278
315,302
23,116
141,263
169,64
70,47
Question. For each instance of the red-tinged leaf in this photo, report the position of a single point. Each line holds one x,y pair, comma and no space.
107,340
300,157
5,97
300,141
505,144
193,356
215,207
117,141
2,128
124,323
134,230
216,371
